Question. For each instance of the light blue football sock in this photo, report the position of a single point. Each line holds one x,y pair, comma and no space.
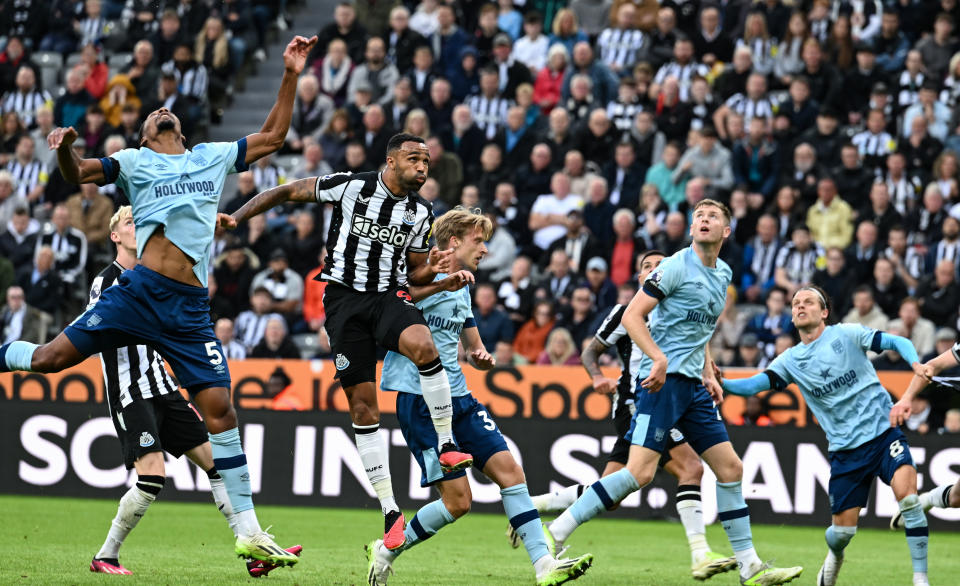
525,520
431,517
230,461
734,515
603,495
918,535
16,356
838,537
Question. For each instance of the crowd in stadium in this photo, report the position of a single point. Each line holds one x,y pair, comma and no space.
587,130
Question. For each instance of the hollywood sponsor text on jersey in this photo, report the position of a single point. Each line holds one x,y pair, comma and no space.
845,379
206,188
701,318
443,323
367,228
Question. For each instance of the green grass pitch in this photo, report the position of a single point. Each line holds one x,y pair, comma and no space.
51,540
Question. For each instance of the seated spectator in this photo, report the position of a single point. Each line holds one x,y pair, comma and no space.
531,338
304,242
447,169
707,161
335,72
355,158
70,108
604,291
313,163
626,248
948,246
888,288
918,329
830,219
192,80
501,252
749,354
143,70
548,215
597,138
625,175
533,177
275,342
493,324
90,212
951,423
212,51
558,281
10,199
267,174
376,71
768,325
401,106
598,211
20,321
374,133
730,327
874,144
754,414
69,246
620,44
753,103
19,237
42,285
232,350
756,160
532,49
95,72
837,280
578,317
234,274
797,261
880,211
94,131
10,134
334,139
250,324
45,126
798,114
29,174
674,235
515,294
560,349
662,176
892,360
936,114
26,97
759,259
939,293
578,243
863,253
283,283
314,315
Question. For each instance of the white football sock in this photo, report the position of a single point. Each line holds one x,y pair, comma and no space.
691,516
563,526
938,497
247,523
219,491
373,454
133,505
557,500
748,561
436,394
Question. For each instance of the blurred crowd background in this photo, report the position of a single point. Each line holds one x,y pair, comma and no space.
586,129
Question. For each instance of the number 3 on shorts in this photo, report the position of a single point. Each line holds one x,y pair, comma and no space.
896,448
488,423
215,356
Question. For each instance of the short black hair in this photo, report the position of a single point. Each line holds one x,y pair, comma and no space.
863,289
396,141
651,252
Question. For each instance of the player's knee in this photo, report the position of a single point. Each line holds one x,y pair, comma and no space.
643,476
423,352
692,471
362,413
219,415
457,505
731,471
955,498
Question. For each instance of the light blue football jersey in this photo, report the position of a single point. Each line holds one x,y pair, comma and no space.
839,383
446,313
179,192
691,297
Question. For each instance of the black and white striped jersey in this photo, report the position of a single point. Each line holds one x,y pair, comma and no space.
26,104
371,231
799,265
131,373
749,108
27,175
612,333
619,47
874,148
489,114
623,114
684,74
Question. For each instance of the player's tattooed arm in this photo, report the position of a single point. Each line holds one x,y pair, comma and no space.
302,190
420,272
454,282
74,169
477,355
591,362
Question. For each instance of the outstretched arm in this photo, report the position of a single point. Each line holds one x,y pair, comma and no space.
902,346
302,190
746,387
454,282
274,130
420,272
902,409
75,170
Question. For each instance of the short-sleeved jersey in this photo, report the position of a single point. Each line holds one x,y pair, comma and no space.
956,352
371,231
691,297
447,313
613,333
839,383
179,192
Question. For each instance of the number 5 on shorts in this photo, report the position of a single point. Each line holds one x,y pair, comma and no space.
214,353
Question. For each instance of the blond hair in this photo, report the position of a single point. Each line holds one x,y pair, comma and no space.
717,204
459,222
119,216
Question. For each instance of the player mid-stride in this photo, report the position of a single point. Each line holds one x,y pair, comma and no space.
678,458
164,301
683,297
377,243
831,367
948,495
151,417
446,306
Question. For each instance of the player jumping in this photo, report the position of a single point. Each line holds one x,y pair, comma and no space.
948,495
678,458
150,417
447,308
831,367
377,243
164,301
683,297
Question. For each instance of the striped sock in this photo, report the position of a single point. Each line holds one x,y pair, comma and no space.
16,356
231,463
431,518
735,516
938,497
690,509
133,506
525,520
600,496
918,535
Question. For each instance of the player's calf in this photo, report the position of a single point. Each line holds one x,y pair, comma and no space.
133,506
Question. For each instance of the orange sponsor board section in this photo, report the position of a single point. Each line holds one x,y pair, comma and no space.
550,392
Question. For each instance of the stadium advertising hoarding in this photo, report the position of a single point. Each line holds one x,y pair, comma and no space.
538,392
309,459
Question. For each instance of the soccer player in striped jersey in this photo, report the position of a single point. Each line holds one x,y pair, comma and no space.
683,297
945,496
164,301
678,459
377,244
446,305
831,368
150,417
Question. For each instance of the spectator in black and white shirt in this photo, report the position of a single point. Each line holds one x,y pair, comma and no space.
623,111
191,76
251,323
754,103
489,107
683,68
26,98
29,174
620,45
232,350
797,261
283,283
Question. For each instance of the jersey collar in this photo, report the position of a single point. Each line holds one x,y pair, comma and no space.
387,189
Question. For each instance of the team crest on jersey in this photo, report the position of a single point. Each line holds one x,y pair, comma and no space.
146,440
409,217
341,362
658,435
93,320
837,346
